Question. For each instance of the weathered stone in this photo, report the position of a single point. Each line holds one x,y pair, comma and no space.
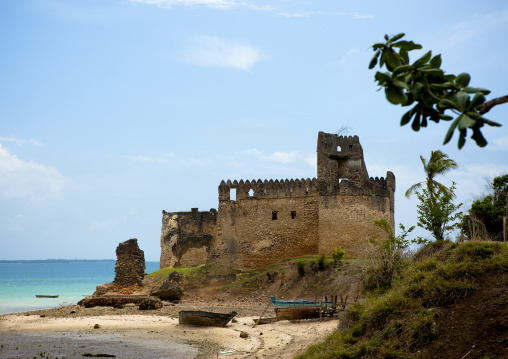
111,300
271,220
168,290
103,288
130,264
150,303
175,277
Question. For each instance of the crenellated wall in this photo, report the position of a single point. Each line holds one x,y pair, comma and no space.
262,221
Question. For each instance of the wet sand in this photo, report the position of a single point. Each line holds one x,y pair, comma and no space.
131,333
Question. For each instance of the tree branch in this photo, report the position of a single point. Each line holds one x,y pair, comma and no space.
487,106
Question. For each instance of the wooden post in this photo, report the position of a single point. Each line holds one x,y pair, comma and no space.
264,311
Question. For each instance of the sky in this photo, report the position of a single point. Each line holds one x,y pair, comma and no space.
112,111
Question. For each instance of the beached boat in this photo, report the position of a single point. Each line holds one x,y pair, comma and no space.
303,309
46,296
204,319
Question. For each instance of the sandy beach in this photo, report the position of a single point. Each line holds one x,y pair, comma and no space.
70,332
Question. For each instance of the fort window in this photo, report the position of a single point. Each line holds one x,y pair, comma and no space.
293,214
274,215
342,179
232,194
339,148
251,192
350,147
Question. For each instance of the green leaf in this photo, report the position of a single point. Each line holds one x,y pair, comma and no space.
490,123
378,45
462,138
477,99
417,89
401,69
461,100
445,86
466,122
407,45
462,80
416,122
407,117
476,89
435,62
478,137
395,95
451,129
446,103
391,59
400,84
445,117
404,56
396,37
382,77
423,60
373,62
433,72
386,37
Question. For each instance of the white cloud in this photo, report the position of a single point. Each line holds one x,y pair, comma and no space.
31,180
284,157
213,51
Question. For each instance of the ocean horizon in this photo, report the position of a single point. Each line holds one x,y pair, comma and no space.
70,279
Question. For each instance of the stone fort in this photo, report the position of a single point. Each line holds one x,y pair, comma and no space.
263,221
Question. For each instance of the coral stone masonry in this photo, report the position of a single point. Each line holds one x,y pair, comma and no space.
130,264
263,221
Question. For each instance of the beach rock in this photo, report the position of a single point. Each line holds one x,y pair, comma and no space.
168,290
175,277
150,303
103,288
111,300
130,264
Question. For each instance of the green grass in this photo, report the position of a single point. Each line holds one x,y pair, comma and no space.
403,320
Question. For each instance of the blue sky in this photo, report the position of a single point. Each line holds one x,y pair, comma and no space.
113,110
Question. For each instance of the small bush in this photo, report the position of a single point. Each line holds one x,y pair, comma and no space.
337,255
300,266
322,263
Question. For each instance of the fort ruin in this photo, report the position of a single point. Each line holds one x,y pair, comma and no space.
270,220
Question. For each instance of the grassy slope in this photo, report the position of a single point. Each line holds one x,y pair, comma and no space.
418,317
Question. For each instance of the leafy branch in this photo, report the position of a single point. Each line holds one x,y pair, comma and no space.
432,92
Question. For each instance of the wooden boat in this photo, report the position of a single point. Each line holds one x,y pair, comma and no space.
302,309
46,296
204,319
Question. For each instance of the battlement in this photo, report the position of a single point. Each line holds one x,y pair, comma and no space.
267,188
263,221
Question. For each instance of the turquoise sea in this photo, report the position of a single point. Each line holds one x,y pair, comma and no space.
71,280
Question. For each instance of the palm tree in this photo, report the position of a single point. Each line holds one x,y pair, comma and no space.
439,164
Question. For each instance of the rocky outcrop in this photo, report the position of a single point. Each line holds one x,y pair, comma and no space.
130,264
150,303
112,300
170,289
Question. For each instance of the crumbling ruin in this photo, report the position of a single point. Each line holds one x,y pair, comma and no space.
130,264
260,222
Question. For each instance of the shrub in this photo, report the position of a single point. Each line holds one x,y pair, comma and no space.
337,255
300,266
322,262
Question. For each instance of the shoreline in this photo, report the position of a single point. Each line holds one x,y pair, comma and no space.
68,332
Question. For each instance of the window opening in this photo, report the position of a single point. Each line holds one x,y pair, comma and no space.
232,194
293,214
342,179
339,149
274,215
350,147
251,192
307,190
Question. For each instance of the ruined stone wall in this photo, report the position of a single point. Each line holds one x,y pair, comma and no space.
261,222
186,237
130,264
346,221
278,221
